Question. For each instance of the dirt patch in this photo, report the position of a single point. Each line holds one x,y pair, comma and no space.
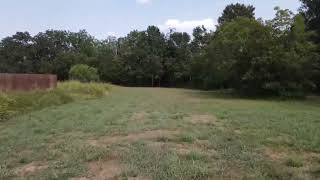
147,135
138,178
238,132
184,148
233,173
79,178
274,155
155,146
203,144
102,170
139,116
203,119
32,168
281,139
282,154
311,156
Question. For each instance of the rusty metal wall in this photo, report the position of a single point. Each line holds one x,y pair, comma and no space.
27,82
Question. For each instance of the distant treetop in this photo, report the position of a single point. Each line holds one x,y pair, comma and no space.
234,11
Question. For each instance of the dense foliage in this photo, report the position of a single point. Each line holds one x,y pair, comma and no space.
280,56
83,73
234,11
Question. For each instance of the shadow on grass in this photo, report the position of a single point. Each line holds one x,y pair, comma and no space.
230,94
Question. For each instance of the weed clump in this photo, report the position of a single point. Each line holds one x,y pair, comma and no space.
294,161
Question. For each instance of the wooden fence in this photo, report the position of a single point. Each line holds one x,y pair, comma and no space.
27,82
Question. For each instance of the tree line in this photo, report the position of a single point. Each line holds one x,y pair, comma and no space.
280,56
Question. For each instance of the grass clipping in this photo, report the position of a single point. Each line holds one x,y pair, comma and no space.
13,103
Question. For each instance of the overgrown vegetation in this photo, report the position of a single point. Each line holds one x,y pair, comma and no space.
83,73
12,103
259,57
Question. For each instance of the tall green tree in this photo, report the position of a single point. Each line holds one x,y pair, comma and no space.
48,46
311,11
245,55
108,64
234,11
201,38
178,58
155,45
307,50
17,54
282,23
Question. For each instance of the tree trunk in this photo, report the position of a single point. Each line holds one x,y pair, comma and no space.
152,81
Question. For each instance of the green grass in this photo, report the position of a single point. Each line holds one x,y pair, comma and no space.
294,161
163,164
248,138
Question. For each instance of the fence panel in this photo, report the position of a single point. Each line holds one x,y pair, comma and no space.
27,82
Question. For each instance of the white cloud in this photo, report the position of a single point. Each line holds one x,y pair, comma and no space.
187,26
143,1
111,33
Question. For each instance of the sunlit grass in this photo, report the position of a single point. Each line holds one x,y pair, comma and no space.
247,138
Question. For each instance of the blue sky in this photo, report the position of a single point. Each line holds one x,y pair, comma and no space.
118,17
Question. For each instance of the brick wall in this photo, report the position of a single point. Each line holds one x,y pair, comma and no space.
27,82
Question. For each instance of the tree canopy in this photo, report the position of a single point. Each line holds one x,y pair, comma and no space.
311,12
233,11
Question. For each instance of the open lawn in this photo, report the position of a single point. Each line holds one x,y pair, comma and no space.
151,133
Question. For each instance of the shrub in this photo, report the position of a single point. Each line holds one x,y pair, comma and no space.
84,73
83,90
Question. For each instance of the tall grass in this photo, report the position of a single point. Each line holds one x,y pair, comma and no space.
13,103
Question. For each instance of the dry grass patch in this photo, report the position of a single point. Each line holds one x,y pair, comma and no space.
302,164
274,155
31,169
293,158
199,146
130,138
101,170
139,116
104,169
138,178
79,178
183,149
233,173
203,119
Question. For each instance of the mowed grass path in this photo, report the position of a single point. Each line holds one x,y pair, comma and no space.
151,133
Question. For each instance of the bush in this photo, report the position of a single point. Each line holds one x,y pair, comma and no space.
84,73
80,90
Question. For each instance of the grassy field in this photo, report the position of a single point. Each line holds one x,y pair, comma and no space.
145,133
